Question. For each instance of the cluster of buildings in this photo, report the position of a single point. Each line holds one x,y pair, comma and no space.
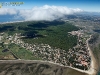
1,36
44,51
77,57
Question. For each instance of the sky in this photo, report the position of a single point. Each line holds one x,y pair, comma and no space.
86,5
48,9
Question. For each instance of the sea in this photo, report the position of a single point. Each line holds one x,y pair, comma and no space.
99,72
9,18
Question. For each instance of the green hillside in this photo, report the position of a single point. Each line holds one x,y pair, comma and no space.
54,33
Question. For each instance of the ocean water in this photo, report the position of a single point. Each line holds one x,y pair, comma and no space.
99,73
9,18
6,20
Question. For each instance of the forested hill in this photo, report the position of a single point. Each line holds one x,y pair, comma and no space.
54,33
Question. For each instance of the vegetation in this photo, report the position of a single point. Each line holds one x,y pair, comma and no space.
22,53
3,54
54,33
13,51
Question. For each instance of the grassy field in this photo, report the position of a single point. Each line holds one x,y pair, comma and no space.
18,51
5,55
22,53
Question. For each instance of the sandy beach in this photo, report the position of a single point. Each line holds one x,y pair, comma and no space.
94,65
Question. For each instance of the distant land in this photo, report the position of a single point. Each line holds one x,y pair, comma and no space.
14,18
71,41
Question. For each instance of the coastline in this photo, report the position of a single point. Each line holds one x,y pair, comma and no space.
12,22
18,21
93,66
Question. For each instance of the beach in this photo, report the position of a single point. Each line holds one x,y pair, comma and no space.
67,70
94,65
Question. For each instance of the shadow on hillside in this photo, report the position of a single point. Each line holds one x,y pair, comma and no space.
31,34
46,24
32,30
5,28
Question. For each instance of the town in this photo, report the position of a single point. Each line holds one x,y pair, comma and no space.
77,57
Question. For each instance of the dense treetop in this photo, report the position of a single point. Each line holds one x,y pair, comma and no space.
54,33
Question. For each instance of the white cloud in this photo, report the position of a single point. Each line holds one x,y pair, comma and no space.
4,11
45,12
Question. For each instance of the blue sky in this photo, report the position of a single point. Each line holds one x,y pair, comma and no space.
86,5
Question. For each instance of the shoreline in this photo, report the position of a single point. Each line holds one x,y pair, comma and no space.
93,66
12,22
19,21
